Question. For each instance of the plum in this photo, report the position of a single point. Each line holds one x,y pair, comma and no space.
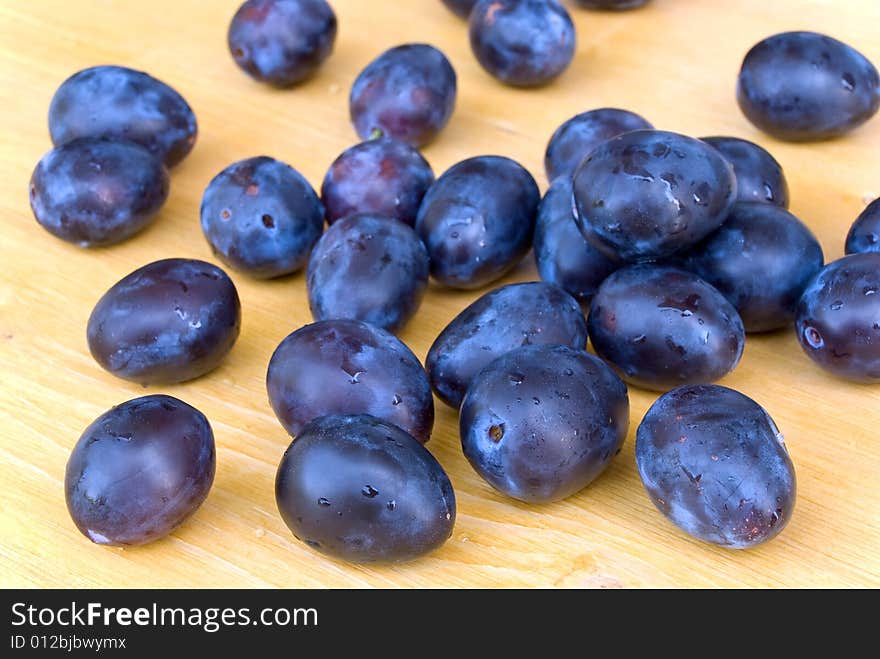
282,42
95,191
381,176
477,220
363,490
349,367
499,321
168,321
120,103
761,260
662,327
524,43
370,268
407,93
542,422
562,254
139,470
261,217
715,464
804,86
648,194
838,318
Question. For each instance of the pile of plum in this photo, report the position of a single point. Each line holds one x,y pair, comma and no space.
664,251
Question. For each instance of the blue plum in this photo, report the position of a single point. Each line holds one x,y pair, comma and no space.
759,177
282,42
648,194
169,321
370,268
120,103
577,136
477,220
662,327
524,43
838,318
381,176
864,234
349,367
407,93
562,254
542,422
139,471
761,260
496,323
715,464
261,217
94,191
363,490
804,86
461,8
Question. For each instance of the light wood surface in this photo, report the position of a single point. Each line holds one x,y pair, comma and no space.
674,62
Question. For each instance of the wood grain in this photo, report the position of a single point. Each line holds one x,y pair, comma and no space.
675,62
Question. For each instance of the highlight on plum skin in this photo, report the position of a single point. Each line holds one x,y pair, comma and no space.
139,471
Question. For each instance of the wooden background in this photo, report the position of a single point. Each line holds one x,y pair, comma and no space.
674,62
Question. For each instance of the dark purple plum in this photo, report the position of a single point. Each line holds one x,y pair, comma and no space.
139,471
715,464
349,367
93,191
864,234
169,321
477,220
803,86
461,8
282,42
661,327
496,323
363,490
381,176
611,5
761,260
370,268
759,177
542,422
649,194
575,138
407,93
262,217
562,254
120,103
838,318
523,43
